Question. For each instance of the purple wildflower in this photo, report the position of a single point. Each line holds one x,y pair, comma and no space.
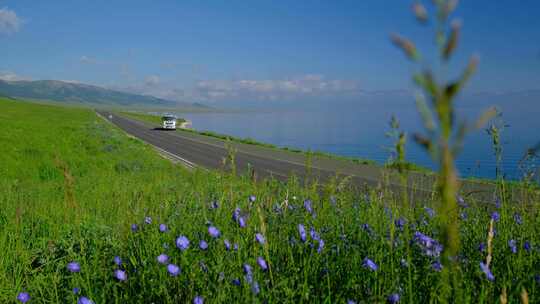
429,211
527,246
512,245
314,235
148,220
182,242
495,216
369,264
198,300
242,222
74,267
393,298
321,246
117,261
227,244
235,246
120,275
249,273
173,270
351,301
76,290
236,282
517,219
485,269
162,258
302,231
84,300
255,288
260,238
236,214
163,228
134,228
437,266
308,206
481,247
203,245
214,205
464,216
252,198
262,263
214,232
430,246
400,223
23,297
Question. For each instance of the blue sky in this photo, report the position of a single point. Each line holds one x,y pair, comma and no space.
274,50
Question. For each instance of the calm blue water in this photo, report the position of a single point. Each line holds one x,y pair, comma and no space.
361,132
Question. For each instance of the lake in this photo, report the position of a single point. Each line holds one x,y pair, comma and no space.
360,131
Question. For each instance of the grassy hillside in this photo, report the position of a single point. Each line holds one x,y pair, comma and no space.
79,93
76,189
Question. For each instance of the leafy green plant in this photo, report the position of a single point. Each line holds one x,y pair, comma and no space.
444,135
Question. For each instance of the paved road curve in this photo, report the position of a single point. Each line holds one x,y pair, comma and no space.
207,152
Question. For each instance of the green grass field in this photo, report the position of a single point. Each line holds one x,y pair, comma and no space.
72,186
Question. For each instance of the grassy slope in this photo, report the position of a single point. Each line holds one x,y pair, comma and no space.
72,185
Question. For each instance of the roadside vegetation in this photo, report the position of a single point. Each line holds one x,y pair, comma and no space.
89,215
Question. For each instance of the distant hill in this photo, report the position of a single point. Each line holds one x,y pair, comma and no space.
61,91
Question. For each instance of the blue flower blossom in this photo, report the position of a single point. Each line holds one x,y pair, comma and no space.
134,227
430,246
517,219
182,242
314,235
163,228
512,245
74,267
302,232
255,288
214,232
308,206
369,264
321,246
527,246
23,297
393,298
262,263
198,300
429,211
162,258
242,222
495,216
252,198
84,300
203,245
148,220
236,282
76,290
173,269
120,275
117,260
437,266
260,238
227,245
487,272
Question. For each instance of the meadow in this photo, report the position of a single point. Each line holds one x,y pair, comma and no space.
90,215
76,189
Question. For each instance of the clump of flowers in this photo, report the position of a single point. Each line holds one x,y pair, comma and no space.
430,247
182,242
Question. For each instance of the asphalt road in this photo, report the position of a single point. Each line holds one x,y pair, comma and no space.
196,150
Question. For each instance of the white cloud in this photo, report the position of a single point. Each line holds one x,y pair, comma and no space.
152,80
306,86
9,21
10,76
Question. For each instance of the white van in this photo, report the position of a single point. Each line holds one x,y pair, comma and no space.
168,122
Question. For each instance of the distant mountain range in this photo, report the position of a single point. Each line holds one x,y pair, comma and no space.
62,91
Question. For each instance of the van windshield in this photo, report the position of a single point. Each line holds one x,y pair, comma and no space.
168,118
